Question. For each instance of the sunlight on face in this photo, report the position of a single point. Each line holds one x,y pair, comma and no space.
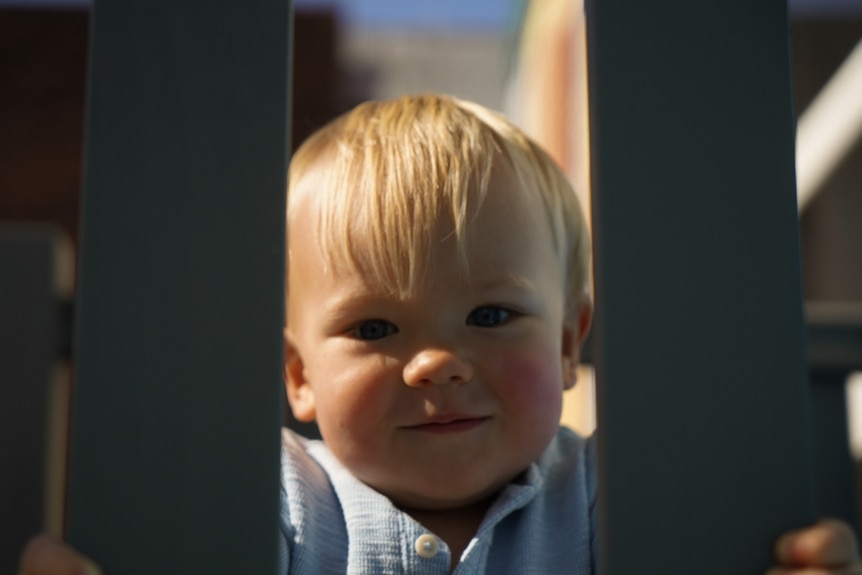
439,399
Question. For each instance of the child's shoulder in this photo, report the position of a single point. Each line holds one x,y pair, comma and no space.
294,445
307,464
300,469
569,444
571,457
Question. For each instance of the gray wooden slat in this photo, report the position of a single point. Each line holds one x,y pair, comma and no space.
704,433
28,350
174,457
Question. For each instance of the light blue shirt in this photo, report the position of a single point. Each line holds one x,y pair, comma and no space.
331,522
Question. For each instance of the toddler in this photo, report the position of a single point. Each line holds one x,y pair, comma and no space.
437,301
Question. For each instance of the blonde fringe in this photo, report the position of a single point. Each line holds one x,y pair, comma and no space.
389,178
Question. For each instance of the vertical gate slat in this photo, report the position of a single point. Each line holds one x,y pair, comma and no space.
704,435
28,355
174,456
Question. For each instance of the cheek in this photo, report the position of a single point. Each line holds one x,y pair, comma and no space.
351,404
532,387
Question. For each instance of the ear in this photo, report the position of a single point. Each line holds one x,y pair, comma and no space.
576,326
300,395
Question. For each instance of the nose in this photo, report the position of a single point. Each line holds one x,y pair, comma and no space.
437,367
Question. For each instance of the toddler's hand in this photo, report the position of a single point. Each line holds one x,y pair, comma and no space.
45,555
826,548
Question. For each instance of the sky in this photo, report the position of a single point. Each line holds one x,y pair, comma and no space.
428,13
373,13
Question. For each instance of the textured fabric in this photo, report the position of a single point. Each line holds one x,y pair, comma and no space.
333,523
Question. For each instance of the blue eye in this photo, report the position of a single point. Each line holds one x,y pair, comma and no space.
374,329
488,316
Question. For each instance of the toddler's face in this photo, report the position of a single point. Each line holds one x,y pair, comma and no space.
439,400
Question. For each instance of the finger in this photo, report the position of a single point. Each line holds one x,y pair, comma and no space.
829,543
45,555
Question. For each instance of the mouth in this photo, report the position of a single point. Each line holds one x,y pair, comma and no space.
449,424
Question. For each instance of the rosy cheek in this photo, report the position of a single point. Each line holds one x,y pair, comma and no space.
359,396
532,383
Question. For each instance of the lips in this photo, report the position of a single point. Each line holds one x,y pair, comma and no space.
449,424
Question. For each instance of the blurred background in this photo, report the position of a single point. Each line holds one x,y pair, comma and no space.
524,58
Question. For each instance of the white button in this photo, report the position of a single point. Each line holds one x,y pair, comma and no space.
427,546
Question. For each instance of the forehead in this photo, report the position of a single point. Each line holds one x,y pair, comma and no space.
503,235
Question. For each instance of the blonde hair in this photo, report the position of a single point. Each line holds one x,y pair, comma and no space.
389,177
